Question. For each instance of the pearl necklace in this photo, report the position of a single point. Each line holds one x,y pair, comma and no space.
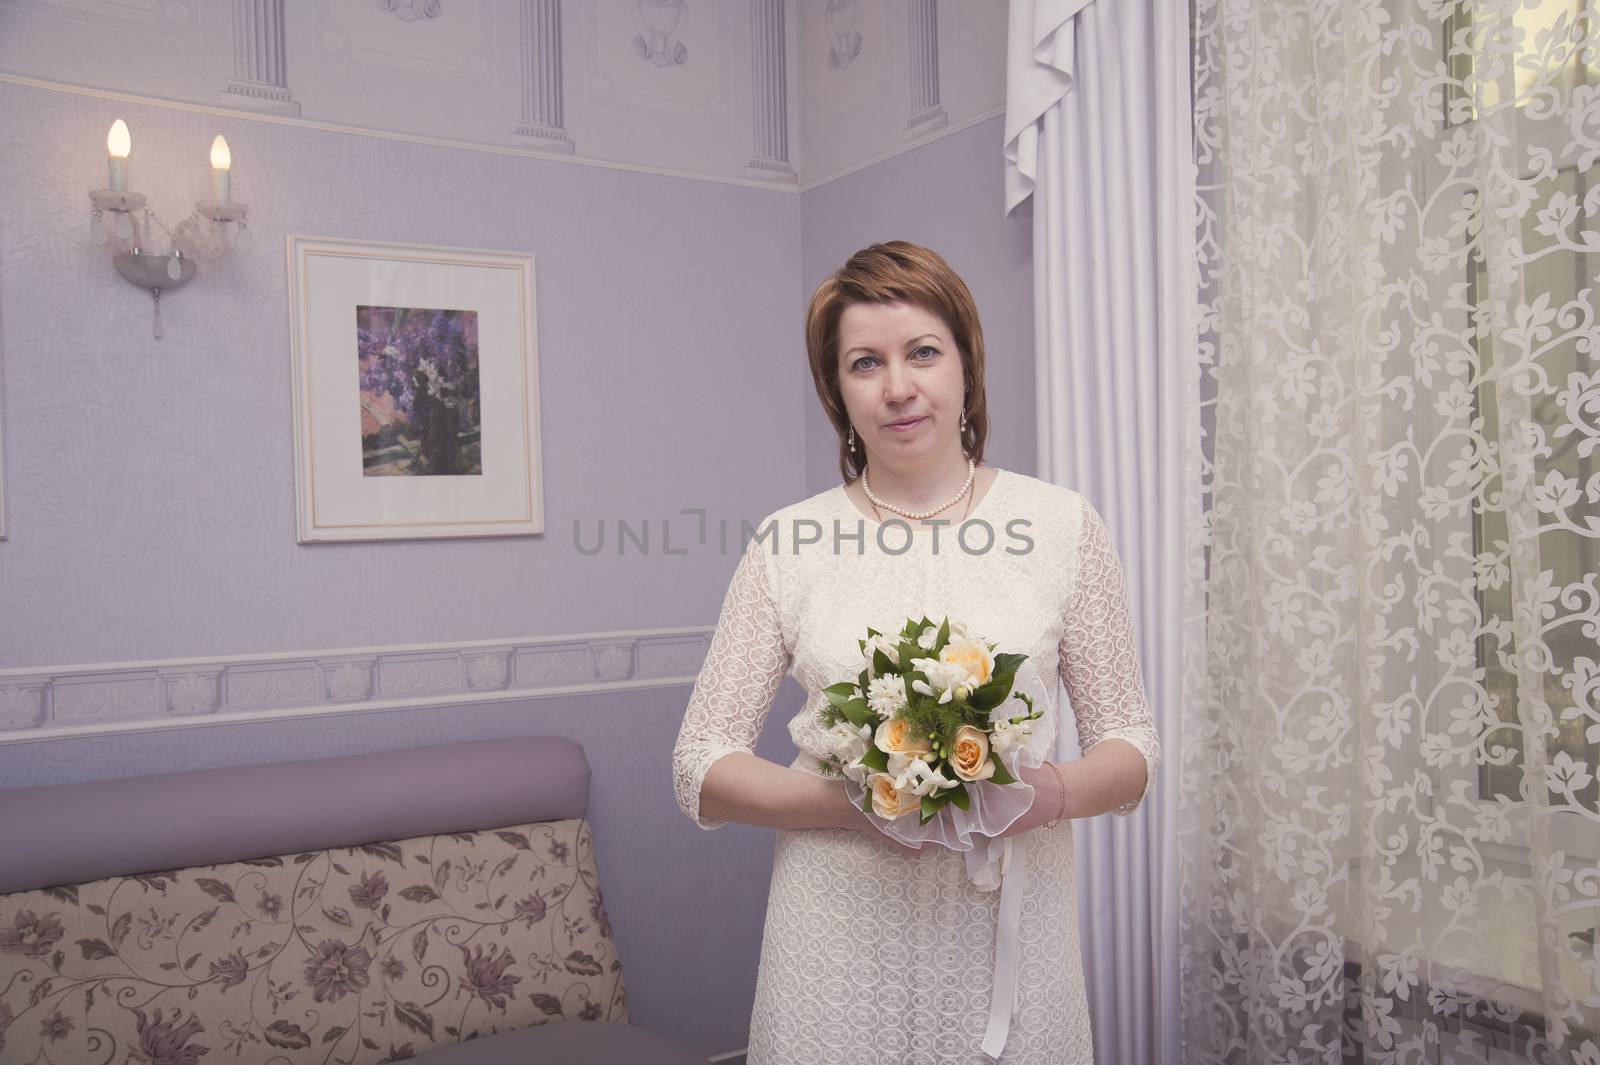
972,468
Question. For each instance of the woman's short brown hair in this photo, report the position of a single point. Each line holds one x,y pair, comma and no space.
895,272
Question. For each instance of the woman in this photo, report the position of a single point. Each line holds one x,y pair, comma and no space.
875,952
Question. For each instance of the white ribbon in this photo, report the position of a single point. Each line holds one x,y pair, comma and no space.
995,868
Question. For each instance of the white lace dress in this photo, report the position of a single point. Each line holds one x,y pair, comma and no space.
870,955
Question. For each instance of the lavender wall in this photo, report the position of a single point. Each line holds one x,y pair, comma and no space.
947,195
150,484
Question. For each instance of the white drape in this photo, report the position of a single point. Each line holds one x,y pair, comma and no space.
1393,852
1098,137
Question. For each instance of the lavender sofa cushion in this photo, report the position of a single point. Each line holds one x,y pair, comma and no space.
74,833
573,1043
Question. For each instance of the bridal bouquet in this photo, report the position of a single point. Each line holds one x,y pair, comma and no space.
936,720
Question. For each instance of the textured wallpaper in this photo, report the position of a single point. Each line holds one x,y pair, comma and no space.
150,484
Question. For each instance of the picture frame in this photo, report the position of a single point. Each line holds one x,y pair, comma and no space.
416,391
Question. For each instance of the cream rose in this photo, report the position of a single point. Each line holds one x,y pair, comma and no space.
969,754
971,656
889,801
894,737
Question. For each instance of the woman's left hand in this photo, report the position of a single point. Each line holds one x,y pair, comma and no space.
1046,800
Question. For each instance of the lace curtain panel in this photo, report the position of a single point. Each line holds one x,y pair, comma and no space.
1390,817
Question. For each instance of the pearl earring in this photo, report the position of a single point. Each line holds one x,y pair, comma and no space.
852,438
963,421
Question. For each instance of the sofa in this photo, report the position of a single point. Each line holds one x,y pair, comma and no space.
437,904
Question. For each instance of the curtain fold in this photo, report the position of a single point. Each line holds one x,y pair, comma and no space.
1098,147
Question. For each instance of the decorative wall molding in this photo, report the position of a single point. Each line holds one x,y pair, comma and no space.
845,38
543,107
770,121
136,99
657,41
927,113
260,80
410,10
54,702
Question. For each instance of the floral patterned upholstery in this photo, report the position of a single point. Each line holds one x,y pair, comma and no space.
352,955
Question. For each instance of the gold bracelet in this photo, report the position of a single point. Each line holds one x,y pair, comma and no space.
1063,812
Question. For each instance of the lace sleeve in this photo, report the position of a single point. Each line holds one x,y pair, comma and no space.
738,680
1099,659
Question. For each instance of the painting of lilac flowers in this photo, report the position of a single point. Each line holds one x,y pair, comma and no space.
420,405
438,435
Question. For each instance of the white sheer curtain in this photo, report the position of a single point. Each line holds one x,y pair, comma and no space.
1390,818
1098,143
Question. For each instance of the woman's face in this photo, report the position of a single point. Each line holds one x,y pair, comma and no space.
903,384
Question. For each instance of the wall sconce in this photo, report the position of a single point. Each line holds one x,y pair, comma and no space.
121,220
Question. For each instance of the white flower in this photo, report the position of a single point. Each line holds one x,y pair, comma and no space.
929,637
880,643
947,680
857,772
1003,735
917,776
849,741
912,774
887,694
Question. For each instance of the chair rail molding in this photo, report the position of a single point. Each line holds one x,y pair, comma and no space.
55,702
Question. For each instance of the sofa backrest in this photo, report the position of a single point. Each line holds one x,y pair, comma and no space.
72,833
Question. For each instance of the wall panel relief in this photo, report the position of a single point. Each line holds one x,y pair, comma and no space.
173,20
661,55
842,54
455,41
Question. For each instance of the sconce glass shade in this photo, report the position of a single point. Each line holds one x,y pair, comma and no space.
154,271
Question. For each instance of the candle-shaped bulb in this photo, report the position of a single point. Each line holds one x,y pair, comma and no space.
118,145
221,161
118,142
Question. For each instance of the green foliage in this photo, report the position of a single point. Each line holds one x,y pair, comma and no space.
994,693
927,716
845,698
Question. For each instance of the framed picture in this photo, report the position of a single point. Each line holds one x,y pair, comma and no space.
416,391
